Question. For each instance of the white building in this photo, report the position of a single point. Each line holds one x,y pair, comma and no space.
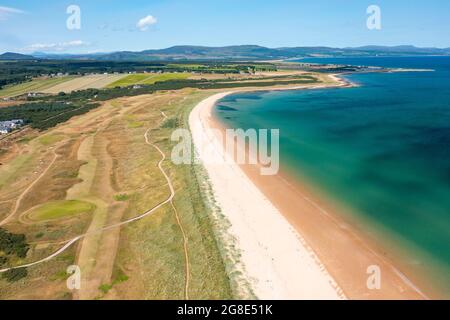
10,125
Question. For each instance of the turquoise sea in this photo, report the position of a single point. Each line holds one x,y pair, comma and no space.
381,149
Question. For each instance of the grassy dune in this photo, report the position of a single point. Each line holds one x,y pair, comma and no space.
155,243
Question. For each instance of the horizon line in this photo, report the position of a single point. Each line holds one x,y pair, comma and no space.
24,52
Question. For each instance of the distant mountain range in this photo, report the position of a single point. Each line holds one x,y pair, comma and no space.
15,56
243,52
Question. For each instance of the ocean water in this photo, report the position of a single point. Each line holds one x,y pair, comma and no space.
381,149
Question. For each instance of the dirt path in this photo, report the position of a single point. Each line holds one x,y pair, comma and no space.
186,254
185,240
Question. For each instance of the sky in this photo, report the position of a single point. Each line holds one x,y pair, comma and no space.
112,25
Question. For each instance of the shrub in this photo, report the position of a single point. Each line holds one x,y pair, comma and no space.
15,274
121,197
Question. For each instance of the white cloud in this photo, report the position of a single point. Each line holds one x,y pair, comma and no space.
144,23
6,12
61,46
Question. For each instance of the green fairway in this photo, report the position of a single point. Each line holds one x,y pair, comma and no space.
50,139
60,209
147,78
33,86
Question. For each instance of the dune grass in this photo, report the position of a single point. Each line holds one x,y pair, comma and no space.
155,243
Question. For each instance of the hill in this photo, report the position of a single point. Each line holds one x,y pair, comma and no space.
15,56
254,52
241,52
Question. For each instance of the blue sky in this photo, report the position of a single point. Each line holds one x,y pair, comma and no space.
110,25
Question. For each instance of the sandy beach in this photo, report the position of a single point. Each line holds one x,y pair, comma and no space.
293,245
278,263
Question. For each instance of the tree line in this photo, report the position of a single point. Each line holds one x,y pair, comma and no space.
11,246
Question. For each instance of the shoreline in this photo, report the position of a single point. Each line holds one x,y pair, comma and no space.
338,252
281,267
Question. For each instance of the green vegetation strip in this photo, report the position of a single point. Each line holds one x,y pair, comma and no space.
146,78
60,209
44,115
